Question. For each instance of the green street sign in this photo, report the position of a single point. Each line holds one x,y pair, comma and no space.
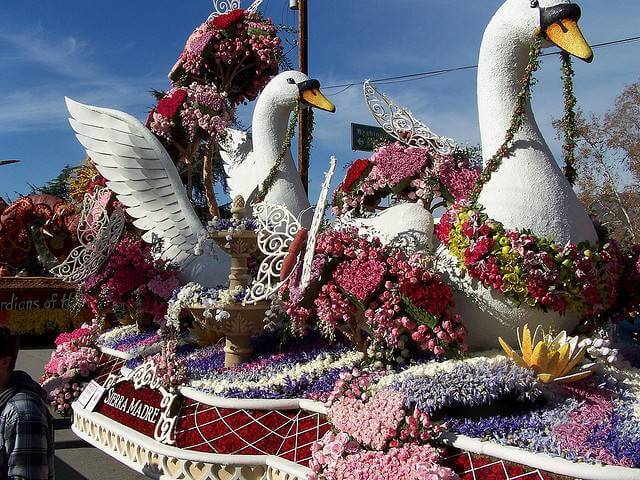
367,137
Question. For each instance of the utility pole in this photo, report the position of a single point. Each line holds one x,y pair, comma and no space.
304,119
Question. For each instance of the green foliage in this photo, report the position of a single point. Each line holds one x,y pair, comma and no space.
59,186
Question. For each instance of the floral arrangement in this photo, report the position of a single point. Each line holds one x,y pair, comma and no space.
86,180
71,366
630,289
376,297
586,424
376,436
488,396
299,368
186,113
532,270
213,300
237,51
129,340
417,174
133,281
481,380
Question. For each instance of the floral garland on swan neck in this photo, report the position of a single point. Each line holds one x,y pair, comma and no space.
569,119
267,183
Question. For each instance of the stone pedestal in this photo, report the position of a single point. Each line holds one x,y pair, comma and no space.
244,320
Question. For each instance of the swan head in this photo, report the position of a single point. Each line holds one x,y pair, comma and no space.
288,88
556,21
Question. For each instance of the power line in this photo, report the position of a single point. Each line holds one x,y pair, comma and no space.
422,75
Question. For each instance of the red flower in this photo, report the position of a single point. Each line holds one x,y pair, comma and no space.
169,105
222,22
478,250
357,170
443,228
150,117
432,296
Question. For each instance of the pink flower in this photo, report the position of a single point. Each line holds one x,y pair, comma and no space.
360,278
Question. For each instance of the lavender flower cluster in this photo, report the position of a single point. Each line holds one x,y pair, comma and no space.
470,385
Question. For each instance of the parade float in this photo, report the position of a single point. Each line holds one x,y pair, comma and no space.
271,343
31,301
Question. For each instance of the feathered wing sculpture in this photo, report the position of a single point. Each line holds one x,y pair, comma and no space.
141,173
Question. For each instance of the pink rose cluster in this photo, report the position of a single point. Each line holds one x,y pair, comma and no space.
376,436
61,398
377,297
238,52
336,457
417,174
186,113
131,280
71,365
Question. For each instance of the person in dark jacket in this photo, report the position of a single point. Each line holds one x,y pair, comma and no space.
26,425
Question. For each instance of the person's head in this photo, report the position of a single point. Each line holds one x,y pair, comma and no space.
8,353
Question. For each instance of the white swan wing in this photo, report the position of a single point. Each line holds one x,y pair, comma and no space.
139,170
239,163
400,123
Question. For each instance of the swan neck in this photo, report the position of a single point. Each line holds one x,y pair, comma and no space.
501,67
270,126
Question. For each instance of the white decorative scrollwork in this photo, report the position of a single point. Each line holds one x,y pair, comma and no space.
402,125
278,227
221,7
98,233
318,216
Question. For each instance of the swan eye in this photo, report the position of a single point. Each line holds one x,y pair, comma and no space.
534,3
291,81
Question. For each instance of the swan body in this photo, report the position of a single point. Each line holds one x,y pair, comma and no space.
408,225
529,190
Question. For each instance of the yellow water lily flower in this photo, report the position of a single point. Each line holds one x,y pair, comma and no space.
552,358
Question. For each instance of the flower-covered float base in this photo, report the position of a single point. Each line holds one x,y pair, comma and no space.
260,420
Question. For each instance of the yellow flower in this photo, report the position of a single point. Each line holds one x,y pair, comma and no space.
551,358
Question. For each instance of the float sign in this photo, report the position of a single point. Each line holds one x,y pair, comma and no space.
367,138
136,408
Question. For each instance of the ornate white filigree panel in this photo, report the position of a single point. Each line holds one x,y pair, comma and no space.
277,229
224,6
402,125
98,234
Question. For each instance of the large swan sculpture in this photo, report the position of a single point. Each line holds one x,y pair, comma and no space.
141,173
529,190
249,157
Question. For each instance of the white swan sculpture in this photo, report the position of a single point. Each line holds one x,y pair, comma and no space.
249,158
529,190
145,180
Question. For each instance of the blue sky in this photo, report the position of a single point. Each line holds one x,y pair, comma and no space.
112,53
